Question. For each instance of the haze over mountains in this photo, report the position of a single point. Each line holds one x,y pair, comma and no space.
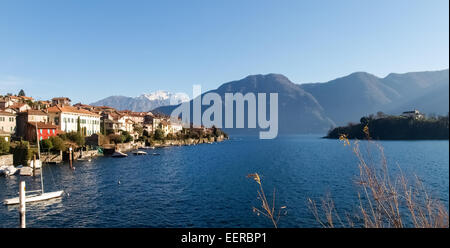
315,107
348,98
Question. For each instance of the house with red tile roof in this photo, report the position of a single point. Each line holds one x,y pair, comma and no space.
30,115
17,108
26,98
5,102
69,118
62,101
44,131
8,122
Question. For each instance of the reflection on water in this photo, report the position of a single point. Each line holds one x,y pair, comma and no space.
206,185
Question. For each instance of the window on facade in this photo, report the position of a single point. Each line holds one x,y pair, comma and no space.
40,130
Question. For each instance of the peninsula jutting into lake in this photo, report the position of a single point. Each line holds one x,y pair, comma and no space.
411,125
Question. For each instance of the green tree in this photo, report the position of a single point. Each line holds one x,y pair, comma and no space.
216,131
4,146
364,120
75,137
145,133
78,125
102,128
159,134
117,139
138,129
58,143
21,93
46,145
22,153
126,137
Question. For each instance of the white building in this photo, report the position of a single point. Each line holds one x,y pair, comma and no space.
176,127
413,114
67,118
7,123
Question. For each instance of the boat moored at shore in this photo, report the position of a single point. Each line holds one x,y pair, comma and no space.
139,153
119,154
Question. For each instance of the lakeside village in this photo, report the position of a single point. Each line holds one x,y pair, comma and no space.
69,132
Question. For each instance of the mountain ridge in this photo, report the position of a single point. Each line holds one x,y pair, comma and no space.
315,107
348,98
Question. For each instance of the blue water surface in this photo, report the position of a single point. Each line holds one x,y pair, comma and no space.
206,185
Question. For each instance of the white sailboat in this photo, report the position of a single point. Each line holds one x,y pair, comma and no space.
37,195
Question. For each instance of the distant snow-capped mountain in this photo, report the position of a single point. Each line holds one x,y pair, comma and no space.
144,102
162,95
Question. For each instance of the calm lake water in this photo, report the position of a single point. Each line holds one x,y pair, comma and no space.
206,185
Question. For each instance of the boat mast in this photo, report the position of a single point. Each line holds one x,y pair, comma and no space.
39,155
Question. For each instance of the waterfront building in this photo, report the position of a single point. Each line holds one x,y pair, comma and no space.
5,102
43,104
26,98
14,99
114,122
136,117
30,115
85,106
69,119
415,114
45,130
175,127
61,101
7,123
17,108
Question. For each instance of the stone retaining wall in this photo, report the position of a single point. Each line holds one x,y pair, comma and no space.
6,159
52,158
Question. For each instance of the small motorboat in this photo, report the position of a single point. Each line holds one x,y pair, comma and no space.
8,170
155,154
88,159
139,153
118,154
147,147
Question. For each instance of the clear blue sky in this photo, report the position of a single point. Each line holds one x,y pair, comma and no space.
88,50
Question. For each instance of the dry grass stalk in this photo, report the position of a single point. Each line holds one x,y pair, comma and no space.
266,210
383,201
